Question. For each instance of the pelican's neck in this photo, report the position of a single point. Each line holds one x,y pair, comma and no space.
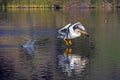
74,31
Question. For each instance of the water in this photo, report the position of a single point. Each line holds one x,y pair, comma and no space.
47,57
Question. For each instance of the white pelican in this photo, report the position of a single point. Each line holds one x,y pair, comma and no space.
72,31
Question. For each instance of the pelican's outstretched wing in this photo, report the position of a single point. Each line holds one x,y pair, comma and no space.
64,30
78,25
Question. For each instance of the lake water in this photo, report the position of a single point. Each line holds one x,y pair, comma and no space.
48,58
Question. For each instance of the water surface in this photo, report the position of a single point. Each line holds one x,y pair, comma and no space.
93,58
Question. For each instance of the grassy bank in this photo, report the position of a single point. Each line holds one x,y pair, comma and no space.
59,3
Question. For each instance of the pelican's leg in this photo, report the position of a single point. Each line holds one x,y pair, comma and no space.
70,42
66,41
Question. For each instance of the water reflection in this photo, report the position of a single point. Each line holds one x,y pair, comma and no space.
32,43
37,59
71,63
99,56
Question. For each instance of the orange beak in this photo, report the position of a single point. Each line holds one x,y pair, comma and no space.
83,32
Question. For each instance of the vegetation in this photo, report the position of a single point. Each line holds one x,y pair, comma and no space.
51,3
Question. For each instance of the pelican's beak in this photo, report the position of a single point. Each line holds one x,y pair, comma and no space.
84,32
87,34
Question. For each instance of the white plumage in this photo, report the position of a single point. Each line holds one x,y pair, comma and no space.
71,31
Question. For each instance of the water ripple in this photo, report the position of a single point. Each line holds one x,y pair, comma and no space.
21,32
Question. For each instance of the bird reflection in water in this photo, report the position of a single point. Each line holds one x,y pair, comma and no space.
29,46
71,63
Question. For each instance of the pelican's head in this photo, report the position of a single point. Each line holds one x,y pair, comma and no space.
79,30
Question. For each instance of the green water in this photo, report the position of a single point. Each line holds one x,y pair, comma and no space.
50,58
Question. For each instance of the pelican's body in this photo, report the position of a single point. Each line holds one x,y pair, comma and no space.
71,31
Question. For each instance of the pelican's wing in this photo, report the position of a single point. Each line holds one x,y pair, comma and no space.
65,29
78,25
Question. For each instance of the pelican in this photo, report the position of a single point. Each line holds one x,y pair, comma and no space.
72,31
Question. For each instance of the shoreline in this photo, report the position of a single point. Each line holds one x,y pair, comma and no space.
59,6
